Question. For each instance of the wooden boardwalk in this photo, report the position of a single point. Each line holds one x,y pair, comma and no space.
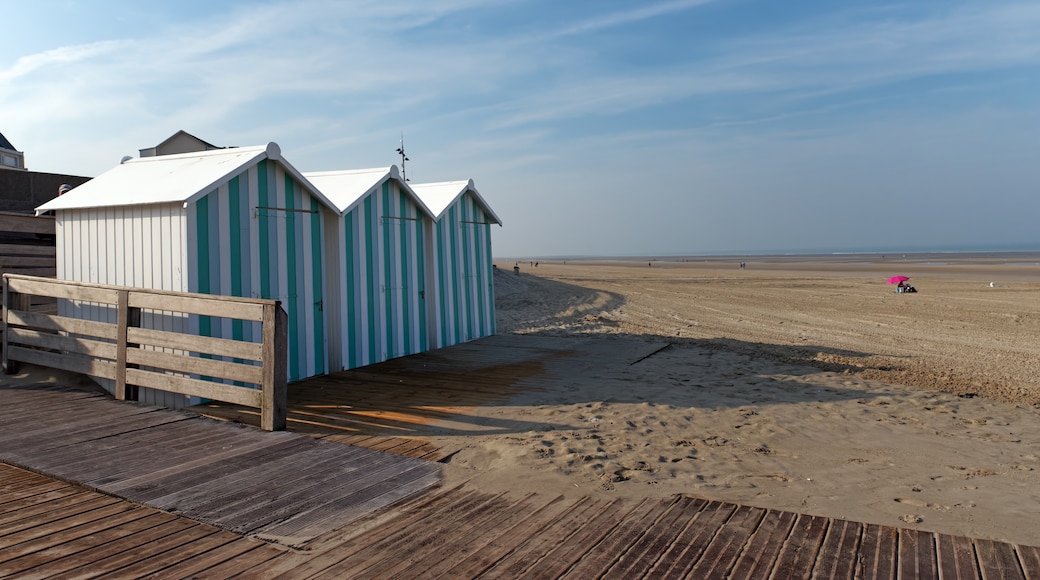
240,485
279,486
50,528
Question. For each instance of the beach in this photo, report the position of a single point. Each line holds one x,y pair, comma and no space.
795,383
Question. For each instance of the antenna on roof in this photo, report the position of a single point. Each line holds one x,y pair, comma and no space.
400,151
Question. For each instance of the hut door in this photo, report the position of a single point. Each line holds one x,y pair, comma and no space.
292,259
404,287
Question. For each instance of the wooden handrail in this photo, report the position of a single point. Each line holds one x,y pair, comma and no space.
133,356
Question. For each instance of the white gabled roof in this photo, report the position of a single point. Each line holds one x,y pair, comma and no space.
347,188
440,196
183,178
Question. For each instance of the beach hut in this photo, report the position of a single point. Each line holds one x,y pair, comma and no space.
378,268
462,279
237,221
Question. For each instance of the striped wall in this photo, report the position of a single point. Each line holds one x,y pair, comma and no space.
261,235
465,297
141,246
381,282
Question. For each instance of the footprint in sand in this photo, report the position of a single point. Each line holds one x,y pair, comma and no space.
911,518
922,504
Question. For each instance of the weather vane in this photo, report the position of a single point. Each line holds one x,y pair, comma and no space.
400,151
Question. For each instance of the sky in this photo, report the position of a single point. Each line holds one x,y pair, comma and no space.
592,128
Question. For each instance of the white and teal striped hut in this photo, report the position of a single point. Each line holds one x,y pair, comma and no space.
239,222
463,285
378,270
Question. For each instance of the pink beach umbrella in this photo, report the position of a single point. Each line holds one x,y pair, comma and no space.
897,279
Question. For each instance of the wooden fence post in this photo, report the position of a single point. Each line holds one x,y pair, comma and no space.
15,301
126,317
275,358
5,363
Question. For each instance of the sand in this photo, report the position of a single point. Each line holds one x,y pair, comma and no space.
807,386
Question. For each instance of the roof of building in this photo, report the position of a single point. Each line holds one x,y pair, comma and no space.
5,144
180,132
440,196
347,188
183,178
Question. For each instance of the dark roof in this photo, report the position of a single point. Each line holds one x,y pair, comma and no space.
5,144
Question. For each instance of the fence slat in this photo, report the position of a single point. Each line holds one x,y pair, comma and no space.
62,289
194,387
192,343
195,365
94,367
74,344
224,306
63,323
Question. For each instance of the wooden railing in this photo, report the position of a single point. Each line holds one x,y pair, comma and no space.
133,356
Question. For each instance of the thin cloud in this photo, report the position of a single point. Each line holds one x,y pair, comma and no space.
616,19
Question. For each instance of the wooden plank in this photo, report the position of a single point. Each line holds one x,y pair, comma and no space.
26,223
405,528
917,558
956,557
118,456
158,553
347,482
56,511
195,365
187,386
29,250
26,510
201,304
251,564
62,289
235,551
114,554
518,562
644,553
103,421
15,263
192,343
764,546
1029,558
615,547
694,538
722,553
503,538
70,344
234,457
998,560
799,552
43,537
245,481
439,547
389,545
317,475
567,552
77,364
64,324
841,540
70,543
301,529
9,263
